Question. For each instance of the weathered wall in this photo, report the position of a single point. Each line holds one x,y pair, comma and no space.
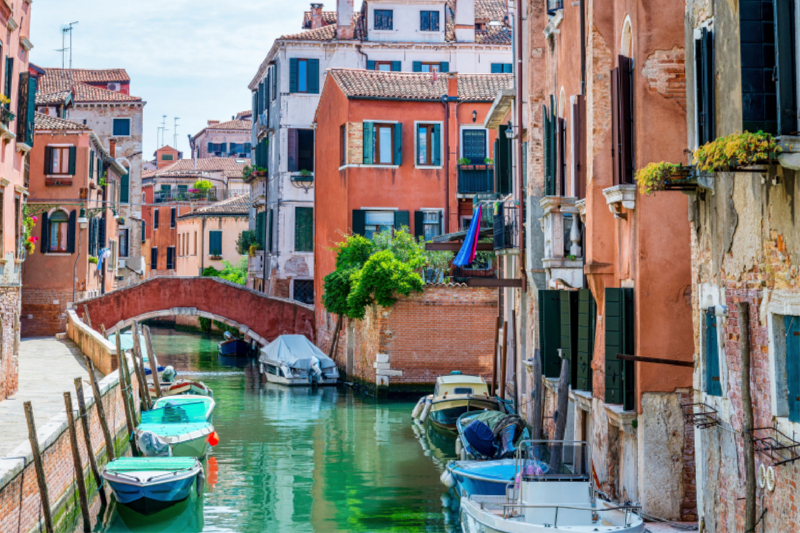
101,351
9,340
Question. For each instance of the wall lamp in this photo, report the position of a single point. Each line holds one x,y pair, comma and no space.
474,115
510,133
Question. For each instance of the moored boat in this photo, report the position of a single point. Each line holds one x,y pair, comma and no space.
182,386
453,395
473,478
232,346
295,360
148,485
186,399
487,435
176,430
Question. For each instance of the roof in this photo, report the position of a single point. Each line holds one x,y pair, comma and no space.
58,97
95,75
356,83
55,85
227,165
232,125
328,17
459,378
328,32
236,206
46,122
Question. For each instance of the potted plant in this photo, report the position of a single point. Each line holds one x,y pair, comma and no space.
465,163
121,221
29,241
260,172
93,260
489,161
658,176
253,249
736,151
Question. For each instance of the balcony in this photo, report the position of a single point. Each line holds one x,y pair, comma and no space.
258,191
255,264
192,195
563,253
473,179
504,228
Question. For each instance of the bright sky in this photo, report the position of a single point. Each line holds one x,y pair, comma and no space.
191,59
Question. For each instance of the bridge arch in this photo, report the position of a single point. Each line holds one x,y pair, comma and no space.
256,315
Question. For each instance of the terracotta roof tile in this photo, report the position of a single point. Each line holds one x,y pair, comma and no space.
232,125
415,86
58,81
51,98
328,17
44,122
227,165
236,206
486,10
328,33
493,36
93,75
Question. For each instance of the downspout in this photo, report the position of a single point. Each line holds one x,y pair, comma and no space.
521,191
446,164
202,246
583,46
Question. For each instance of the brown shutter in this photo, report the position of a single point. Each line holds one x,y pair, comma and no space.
615,149
579,147
292,150
562,157
626,119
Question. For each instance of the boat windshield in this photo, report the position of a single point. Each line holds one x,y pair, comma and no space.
462,390
544,460
176,414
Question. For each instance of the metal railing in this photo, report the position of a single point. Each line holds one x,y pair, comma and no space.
505,228
197,195
471,181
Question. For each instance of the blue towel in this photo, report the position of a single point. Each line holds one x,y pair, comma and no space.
465,255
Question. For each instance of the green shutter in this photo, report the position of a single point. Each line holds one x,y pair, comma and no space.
508,68
792,325
370,65
587,317
313,76
368,143
304,229
712,374
33,85
48,159
524,166
44,232
260,231
215,243
9,78
568,310
416,66
270,229
359,222
444,66
437,144
786,65
91,165
502,160
73,154
401,219
124,189
419,224
293,75
71,232
396,66
550,332
398,144
619,340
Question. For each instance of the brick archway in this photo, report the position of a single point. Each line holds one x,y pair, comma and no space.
258,315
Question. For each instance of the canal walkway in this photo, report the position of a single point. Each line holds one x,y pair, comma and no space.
47,369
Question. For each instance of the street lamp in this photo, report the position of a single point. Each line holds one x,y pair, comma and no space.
83,222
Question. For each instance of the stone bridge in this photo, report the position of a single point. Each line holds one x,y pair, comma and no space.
257,315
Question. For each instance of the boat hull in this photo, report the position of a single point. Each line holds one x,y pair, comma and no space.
181,446
486,478
234,347
273,374
148,501
445,412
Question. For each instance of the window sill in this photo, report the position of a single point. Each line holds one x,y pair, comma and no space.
429,167
22,147
370,166
57,254
6,133
215,257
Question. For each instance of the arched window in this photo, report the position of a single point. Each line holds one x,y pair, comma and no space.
58,230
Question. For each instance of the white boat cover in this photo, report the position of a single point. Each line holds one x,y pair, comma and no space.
295,351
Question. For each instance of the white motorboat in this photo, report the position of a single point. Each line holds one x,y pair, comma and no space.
294,360
552,489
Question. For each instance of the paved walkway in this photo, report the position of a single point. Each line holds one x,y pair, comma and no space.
47,369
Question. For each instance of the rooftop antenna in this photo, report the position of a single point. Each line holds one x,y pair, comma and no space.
175,134
163,129
68,29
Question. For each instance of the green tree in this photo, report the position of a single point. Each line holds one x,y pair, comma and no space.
235,273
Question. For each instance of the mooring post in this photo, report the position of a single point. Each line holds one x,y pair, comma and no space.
151,355
103,331
87,437
537,397
37,463
503,356
494,356
561,419
138,365
101,412
743,310
125,385
76,461
86,316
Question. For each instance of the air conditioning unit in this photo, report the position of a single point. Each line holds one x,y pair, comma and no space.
121,263
113,87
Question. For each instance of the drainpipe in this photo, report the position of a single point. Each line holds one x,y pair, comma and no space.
582,5
202,246
446,164
520,222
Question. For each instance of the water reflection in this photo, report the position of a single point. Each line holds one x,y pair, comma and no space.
301,459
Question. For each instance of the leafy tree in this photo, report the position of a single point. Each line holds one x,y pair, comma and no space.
245,240
236,273
202,185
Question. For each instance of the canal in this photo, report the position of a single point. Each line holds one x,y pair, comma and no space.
301,460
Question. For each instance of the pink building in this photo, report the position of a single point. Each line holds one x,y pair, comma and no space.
223,139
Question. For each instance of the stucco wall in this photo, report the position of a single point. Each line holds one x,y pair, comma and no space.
191,262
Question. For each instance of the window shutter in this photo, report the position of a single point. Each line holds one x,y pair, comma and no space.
73,152
444,66
210,148
293,75
91,165
704,63
502,161
274,89
785,59
568,312
497,68
304,229
619,340
401,218
419,224
552,143
587,317
291,145
101,241
508,68
575,135
48,160
153,258
255,106
626,119
549,182
580,125
45,232
71,232
549,332
398,144
155,219
270,229
22,106
370,65
313,76
260,229
224,147
9,78
524,165
713,379
424,21
561,168
396,66
792,325
124,188
756,37
368,143
416,66
214,243
172,217
434,21
359,222
615,139
144,231
437,144
170,258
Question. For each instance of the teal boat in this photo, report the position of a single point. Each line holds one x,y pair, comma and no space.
181,430
188,399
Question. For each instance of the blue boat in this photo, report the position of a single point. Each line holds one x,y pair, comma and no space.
232,346
485,478
148,485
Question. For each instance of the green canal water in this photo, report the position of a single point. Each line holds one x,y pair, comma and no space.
300,460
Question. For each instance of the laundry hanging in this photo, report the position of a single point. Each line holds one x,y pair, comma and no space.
470,247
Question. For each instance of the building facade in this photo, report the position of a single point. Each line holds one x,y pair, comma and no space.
74,193
222,139
383,36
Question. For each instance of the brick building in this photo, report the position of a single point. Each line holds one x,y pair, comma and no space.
74,192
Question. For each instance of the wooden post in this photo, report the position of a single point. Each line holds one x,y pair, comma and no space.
124,385
37,463
103,331
151,355
747,417
515,345
503,355
76,461
86,316
138,364
101,412
561,419
537,397
494,356
335,340
87,437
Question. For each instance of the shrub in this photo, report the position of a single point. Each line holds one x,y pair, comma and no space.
245,241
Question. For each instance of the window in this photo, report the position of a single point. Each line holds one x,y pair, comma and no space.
304,229
217,148
462,390
427,224
215,243
429,21
499,68
58,232
171,258
154,258
59,160
172,217
429,145
260,228
303,291
419,66
377,221
124,188
301,150
167,157
473,146
383,144
704,87
303,75
237,148
713,383
144,230
122,127
431,67
385,66
619,327
123,242
789,392
622,121
383,19
195,244
155,218
343,144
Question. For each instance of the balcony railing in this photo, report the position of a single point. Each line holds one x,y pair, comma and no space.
255,264
474,179
505,227
554,5
210,195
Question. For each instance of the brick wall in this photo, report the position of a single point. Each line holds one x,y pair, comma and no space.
355,143
44,311
9,341
664,70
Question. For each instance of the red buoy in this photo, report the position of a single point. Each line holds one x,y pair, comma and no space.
213,438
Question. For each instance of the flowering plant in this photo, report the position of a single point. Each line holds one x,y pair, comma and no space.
5,100
29,241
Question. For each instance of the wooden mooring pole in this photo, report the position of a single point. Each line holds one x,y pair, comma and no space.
494,356
503,355
537,397
151,355
103,331
87,437
76,461
101,412
125,385
743,309
86,316
37,463
138,364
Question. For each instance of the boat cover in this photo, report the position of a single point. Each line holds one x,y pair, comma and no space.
137,464
152,445
295,351
187,413
507,431
480,436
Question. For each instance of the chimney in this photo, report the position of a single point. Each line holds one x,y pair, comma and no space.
344,19
465,21
316,16
452,84
213,122
112,147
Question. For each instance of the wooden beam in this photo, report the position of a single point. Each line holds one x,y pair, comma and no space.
456,246
76,463
639,359
37,463
515,283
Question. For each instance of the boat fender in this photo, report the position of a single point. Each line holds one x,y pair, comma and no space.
418,408
459,446
201,481
213,438
447,479
426,410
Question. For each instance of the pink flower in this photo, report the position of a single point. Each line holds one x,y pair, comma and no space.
35,219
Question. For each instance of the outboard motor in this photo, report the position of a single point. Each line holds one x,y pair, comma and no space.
169,374
151,445
227,335
314,371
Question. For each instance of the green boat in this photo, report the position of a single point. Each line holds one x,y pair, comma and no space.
181,430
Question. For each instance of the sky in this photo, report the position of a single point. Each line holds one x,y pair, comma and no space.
191,59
